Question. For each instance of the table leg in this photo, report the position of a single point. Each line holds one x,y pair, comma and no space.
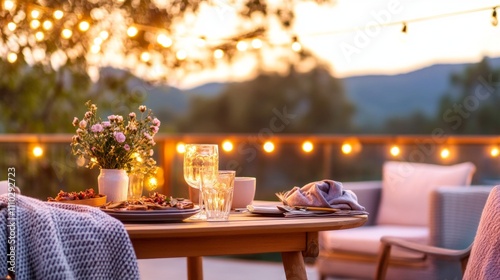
194,268
294,266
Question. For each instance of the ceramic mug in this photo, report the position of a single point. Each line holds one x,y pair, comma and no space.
244,192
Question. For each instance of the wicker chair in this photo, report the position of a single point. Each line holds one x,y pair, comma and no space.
453,227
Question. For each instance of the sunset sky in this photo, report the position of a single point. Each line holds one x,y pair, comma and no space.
360,37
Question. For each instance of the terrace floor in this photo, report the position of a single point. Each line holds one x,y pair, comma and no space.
215,268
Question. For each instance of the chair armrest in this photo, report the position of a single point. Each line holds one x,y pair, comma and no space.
450,254
368,193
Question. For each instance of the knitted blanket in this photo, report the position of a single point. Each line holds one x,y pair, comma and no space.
484,259
62,241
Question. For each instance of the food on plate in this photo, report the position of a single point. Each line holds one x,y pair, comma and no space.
155,201
66,196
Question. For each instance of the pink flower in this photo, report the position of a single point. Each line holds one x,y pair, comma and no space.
75,121
83,124
156,122
119,119
119,137
154,129
88,114
106,124
148,136
111,118
97,128
132,115
142,108
126,147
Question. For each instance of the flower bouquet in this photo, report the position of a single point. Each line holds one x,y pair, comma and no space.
117,143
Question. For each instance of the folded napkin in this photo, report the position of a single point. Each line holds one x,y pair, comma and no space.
64,241
324,193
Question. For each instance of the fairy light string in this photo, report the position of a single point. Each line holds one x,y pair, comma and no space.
83,34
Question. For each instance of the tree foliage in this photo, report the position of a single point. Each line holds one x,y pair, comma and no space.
152,39
311,102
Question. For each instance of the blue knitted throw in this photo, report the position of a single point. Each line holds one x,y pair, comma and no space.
63,241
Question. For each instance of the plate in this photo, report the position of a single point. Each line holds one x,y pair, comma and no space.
171,215
97,201
265,210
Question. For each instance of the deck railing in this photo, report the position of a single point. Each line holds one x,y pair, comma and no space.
340,157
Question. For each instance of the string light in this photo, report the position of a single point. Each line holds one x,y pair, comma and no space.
132,31
11,26
395,151
35,14
296,46
95,49
268,147
58,14
34,24
494,152
494,19
256,43
11,57
181,54
307,146
227,146
39,36
218,54
445,153
84,26
180,147
164,40
145,56
405,28
47,25
242,46
9,5
37,151
346,148
66,33
104,34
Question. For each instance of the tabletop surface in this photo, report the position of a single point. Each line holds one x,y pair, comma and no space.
243,223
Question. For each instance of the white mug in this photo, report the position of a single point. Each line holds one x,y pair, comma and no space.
244,192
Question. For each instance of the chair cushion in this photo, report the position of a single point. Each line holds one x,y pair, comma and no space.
406,189
366,240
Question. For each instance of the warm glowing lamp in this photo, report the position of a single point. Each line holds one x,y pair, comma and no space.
268,147
256,43
12,57
307,146
242,46
37,151
58,14
84,26
132,31
181,54
395,151
494,152
227,146
181,148
67,33
11,26
346,148
47,25
218,54
445,153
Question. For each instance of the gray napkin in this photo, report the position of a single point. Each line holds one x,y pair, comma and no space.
324,193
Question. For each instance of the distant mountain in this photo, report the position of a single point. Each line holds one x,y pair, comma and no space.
379,97
376,97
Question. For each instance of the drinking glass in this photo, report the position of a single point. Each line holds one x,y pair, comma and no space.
218,197
201,166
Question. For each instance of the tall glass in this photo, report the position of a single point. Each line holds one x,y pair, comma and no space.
201,166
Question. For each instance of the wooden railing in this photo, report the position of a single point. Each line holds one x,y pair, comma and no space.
248,153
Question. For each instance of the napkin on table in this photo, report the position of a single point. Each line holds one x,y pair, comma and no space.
324,193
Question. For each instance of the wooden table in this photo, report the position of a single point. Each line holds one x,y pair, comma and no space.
295,238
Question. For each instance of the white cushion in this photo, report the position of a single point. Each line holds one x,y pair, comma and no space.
366,240
406,189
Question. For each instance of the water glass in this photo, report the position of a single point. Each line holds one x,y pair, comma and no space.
135,185
218,197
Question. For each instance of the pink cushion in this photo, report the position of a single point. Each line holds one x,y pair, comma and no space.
406,189
366,240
